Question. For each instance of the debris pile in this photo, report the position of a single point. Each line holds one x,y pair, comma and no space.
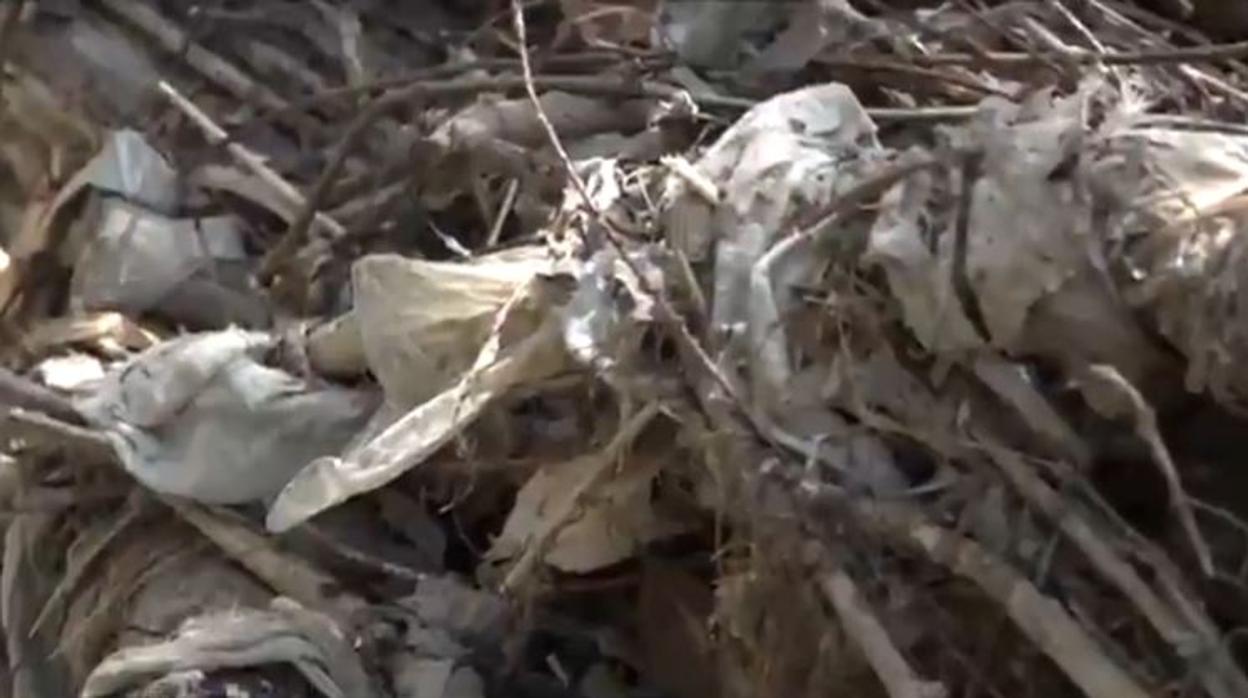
454,349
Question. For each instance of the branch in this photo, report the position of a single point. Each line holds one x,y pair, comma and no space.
864,628
1040,618
1190,54
1205,654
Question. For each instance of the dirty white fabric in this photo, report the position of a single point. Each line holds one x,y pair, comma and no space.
202,417
286,633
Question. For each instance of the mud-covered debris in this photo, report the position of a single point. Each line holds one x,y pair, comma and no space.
621,350
286,633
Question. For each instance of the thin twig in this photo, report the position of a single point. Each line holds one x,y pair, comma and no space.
1040,618
251,161
18,391
1188,54
438,72
667,314
359,557
1074,21
296,234
500,217
926,73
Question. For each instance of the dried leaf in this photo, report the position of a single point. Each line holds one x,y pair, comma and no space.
613,525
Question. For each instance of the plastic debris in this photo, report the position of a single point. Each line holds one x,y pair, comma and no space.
622,349
175,412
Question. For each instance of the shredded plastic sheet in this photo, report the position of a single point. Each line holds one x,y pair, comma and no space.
842,404
203,417
422,323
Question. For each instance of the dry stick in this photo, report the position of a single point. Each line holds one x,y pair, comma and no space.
89,446
1132,17
1074,21
253,162
902,68
981,16
921,28
1043,620
448,70
352,555
1205,654
1190,54
392,170
280,254
286,574
872,639
1214,82
174,40
500,217
359,208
